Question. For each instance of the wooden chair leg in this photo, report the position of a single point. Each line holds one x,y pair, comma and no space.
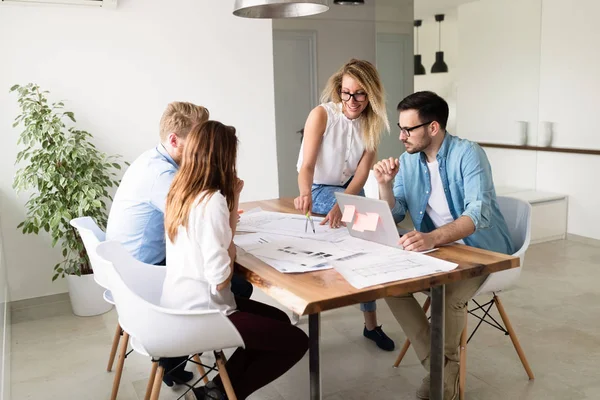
120,363
407,342
463,361
157,382
402,353
196,358
151,380
513,336
224,376
115,346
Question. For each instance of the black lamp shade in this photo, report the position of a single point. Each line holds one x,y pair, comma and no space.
419,68
439,65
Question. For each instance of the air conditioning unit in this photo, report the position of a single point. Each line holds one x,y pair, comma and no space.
93,3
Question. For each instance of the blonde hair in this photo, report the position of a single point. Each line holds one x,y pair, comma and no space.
374,117
208,166
180,117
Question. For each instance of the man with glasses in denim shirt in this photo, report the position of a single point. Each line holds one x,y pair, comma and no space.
446,184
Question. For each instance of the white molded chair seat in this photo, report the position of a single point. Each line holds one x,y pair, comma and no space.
517,214
137,289
91,235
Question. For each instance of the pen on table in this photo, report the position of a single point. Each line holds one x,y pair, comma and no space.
311,222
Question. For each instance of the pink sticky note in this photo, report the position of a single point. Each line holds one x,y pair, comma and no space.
361,222
370,223
348,215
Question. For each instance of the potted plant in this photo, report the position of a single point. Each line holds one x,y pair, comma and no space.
66,177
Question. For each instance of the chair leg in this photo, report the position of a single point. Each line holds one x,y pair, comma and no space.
200,368
115,346
120,363
224,376
157,382
513,336
151,380
407,342
402,353
463,361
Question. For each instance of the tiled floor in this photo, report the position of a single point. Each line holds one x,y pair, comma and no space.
555,310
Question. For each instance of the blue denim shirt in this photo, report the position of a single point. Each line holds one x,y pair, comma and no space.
136,217
467,180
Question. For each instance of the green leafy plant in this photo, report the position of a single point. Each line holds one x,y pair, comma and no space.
64,173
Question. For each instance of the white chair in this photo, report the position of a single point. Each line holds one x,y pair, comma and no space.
517,214
160,332
92,235
371,186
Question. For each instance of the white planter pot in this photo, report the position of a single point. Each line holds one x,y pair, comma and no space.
86,296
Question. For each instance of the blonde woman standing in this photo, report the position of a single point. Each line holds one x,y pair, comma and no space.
339,148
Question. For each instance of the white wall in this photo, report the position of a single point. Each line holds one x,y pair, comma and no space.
5,327
444,84
519,65
569,98
118,69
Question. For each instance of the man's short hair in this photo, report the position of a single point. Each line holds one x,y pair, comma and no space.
429,106
180,117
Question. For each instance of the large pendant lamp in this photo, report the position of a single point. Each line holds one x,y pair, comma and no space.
419,68
278,8
439,65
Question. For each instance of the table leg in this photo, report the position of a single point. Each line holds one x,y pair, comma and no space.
437,357
314,362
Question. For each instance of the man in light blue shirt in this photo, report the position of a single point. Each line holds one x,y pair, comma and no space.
446,185
136,217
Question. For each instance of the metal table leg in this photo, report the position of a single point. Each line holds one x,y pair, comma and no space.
314,361
437,357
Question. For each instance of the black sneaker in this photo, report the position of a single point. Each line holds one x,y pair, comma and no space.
380,338
177,377
208,392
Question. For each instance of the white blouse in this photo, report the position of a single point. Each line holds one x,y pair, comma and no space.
198,260
341,149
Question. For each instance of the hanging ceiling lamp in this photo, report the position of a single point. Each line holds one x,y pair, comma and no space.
419,68
278,8
439,65
349,2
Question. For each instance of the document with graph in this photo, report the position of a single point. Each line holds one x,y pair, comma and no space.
366,269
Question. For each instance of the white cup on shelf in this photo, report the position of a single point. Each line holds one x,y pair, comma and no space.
546,133
522,127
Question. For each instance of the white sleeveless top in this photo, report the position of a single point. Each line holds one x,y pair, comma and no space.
341,148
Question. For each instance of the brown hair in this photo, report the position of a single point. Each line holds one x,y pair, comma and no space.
374,117
208,166
179,117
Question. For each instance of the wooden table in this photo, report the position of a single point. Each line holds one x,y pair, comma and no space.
314,292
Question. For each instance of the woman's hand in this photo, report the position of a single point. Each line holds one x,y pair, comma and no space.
334,217
237,188
303,203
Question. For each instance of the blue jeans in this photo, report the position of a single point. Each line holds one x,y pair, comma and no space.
323,200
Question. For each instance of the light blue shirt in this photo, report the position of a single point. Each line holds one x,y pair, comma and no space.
467,180
136,217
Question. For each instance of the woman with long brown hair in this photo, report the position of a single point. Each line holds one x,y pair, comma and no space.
339,146
200,222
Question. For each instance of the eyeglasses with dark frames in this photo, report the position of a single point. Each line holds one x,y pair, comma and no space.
357,96
407,131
